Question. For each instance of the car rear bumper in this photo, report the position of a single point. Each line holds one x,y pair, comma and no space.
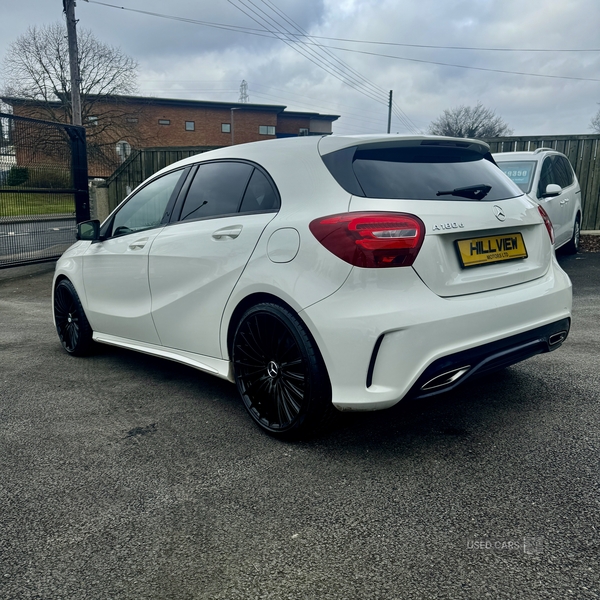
384,335
451,371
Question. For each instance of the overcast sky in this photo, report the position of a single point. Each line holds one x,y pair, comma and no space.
185,60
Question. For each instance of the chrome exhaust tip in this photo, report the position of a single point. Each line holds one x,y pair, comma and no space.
557,338
445,379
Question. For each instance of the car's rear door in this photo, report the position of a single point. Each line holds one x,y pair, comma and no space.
196,261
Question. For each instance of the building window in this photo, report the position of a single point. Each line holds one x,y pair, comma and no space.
93,121
266,130
190,126
132,119
164,122
123,150
303,131
225,127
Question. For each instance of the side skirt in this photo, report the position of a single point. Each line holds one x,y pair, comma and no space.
215,366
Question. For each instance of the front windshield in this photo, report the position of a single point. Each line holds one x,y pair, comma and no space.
521,172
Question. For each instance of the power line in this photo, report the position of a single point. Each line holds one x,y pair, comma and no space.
403,116
309,53
350,40
273,34
350,77
324,49
443,64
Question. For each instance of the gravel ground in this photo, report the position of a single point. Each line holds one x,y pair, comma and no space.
590,243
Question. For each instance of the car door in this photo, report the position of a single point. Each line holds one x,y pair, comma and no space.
553,205
566,180
115,269
196,261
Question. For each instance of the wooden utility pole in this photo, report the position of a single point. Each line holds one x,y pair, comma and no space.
390,112
69,10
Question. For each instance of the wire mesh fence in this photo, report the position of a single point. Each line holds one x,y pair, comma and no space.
43,188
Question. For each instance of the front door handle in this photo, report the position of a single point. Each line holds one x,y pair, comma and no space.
138,244
227,232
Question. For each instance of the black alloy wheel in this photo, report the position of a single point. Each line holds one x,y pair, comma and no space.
279,372
72,326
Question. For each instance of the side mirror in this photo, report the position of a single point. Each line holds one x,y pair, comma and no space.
552,190
88,231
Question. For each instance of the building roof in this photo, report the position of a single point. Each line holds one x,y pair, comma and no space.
277,108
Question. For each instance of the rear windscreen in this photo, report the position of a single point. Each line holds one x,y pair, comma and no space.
521,172
419,173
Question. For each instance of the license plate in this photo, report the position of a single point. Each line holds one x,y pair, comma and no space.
491,249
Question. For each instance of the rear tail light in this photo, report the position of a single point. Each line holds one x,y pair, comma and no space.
547,223
370,240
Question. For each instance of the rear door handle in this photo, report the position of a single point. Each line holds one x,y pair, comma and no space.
227,232
138,244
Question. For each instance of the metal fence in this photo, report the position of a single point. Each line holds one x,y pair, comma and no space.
43,188
143,163
581,150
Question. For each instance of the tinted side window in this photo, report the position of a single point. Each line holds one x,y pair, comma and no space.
546,177
147,208
217,189
563,171
260,194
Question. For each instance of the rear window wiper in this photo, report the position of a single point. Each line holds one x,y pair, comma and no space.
473,192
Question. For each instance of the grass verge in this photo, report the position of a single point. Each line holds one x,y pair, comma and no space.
23,204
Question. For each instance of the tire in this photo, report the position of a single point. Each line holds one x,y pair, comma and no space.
72,326
279,373
572,246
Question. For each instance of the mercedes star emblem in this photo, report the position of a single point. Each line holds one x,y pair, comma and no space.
499,213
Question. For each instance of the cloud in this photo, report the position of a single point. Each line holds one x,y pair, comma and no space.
186,60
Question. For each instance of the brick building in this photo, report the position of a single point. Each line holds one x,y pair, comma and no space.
126,122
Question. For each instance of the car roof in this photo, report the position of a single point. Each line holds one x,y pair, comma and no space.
309,147
537,155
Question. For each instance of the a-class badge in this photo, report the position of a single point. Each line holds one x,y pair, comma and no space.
499,213
442,226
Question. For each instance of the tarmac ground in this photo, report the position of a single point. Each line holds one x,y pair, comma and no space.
125,476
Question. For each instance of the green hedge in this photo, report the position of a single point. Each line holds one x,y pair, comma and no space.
17,176
39,178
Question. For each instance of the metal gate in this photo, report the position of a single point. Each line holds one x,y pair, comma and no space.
43,188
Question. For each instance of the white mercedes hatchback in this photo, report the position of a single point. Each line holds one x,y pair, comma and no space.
322,272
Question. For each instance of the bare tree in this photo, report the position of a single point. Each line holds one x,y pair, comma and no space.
595,122
470,122
36,70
